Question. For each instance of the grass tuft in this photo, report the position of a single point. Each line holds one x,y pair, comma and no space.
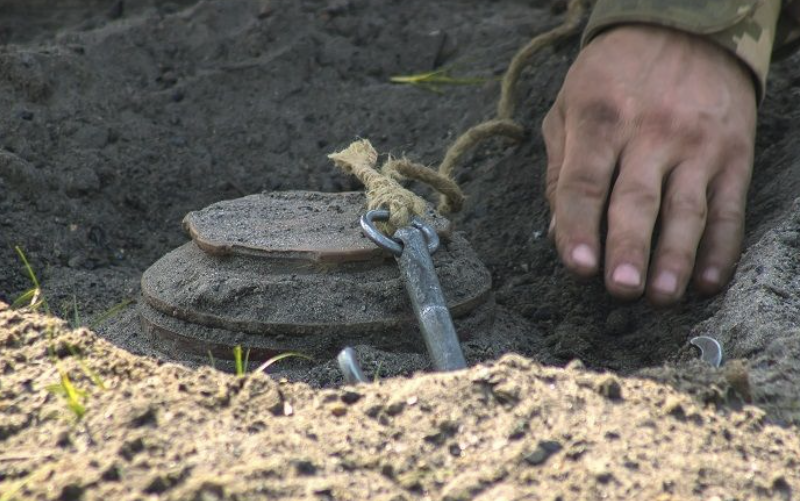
241,364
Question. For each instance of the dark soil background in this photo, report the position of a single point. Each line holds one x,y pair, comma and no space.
122,116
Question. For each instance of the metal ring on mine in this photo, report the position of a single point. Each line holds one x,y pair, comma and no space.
381,240
392,244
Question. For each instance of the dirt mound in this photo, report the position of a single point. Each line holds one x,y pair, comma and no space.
508,430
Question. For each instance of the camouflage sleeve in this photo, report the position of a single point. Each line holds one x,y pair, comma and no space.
745,27
787,35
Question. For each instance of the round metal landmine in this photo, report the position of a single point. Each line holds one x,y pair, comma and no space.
292,271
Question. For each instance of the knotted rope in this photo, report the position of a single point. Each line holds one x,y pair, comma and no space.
383,186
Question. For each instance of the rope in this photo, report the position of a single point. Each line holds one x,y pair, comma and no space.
571,24
383,191
383,186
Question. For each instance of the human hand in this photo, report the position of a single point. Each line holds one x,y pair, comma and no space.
651,126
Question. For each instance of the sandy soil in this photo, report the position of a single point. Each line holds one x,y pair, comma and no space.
121,117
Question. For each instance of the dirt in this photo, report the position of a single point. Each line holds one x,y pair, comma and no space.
123,116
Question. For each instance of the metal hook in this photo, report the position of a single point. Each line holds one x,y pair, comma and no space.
348,364
710,349
394,245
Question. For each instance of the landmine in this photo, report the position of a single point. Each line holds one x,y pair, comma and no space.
292,271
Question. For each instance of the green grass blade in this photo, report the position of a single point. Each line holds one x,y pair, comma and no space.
76,316
433,80
26,299
11,493
109,313
237,357
37,299
74,396
28,267
66,390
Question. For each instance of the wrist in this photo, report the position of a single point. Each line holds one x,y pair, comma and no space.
743,28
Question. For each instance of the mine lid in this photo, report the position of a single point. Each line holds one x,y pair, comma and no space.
305,225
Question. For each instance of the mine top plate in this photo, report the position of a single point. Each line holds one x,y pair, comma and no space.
301,225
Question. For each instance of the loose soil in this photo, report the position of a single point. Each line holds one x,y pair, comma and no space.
122,116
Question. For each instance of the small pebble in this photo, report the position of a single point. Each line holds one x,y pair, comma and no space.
619,322
575,365
72,491
395,408
609,387
63,439
542,452
738,376
350,397
674,407
338,410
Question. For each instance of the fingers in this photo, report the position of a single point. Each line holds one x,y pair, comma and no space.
581,191
632,213
721,244
683,219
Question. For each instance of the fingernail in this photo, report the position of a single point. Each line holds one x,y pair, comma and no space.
666,283
627,275
583,256
552,226
712,276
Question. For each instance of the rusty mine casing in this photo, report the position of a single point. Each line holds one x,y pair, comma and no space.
292,271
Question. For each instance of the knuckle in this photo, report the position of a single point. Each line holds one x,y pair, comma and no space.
635,195
584,183
600,113
627,245
694,136
727,214
689,128
677,257
685,205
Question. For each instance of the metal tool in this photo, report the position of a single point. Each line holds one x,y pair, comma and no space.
348,364
412,247
710,349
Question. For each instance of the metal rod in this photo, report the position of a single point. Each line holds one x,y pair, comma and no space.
427,299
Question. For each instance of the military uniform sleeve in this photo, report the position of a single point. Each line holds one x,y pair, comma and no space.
745,27
787,34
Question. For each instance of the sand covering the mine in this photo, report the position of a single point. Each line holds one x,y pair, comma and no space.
507,430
